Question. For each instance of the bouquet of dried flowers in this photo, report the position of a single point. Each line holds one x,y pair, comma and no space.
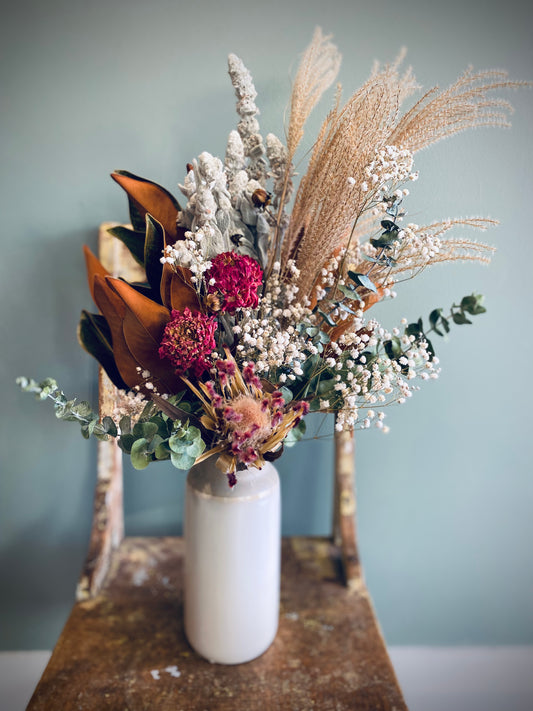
251,317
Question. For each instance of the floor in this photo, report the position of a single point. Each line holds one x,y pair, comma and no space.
432,678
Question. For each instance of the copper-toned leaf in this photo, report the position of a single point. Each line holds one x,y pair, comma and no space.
143,325
95,337
152,316
114,310
94,266
148,197
177,292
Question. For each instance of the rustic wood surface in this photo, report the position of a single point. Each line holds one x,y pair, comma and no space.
125,649
108,518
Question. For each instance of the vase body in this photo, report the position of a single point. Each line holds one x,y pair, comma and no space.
232,562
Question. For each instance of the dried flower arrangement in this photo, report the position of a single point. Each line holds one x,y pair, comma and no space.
251,317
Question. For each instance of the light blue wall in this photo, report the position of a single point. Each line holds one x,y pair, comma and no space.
445,500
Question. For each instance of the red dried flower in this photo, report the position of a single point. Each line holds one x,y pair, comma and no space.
236,278
188,339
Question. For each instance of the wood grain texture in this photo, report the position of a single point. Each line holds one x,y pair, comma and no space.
344,522
328,655
107,528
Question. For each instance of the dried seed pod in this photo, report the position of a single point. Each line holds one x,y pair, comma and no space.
261,198
213,303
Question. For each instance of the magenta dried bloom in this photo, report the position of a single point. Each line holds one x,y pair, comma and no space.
188,339
235,279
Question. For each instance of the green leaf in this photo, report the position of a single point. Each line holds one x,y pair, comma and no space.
415,329
92,424
310,365
145,429
126,442
154,443
133,239
153,251
296,434
473,304
430,348
362,280
348,290
459,318
393,348
162,451
109,426
387,239
195,448
343,307
286,394
326,385
182,461
94,336
125,425
140,458
434,316
327,318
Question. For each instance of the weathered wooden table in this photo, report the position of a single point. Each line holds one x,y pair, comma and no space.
123,647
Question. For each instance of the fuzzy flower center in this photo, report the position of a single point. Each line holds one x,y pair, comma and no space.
247,415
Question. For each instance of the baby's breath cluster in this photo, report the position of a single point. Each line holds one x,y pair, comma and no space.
392,165
269,336
189,253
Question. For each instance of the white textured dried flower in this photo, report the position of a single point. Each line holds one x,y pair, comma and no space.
248,125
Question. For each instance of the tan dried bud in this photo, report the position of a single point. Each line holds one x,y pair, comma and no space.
261,198
213,303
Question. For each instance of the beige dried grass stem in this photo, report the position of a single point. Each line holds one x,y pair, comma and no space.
451,249
327,204
317,71
463,105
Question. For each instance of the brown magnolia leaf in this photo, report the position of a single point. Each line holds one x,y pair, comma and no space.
113,309
152,316
94,266
177,292
142,327
151,198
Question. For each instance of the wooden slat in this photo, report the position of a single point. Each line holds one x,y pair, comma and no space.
328,655
344,523
108,518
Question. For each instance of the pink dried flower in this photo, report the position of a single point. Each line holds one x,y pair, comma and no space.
235,279
188,339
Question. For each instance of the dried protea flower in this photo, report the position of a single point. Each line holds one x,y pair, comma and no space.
248,422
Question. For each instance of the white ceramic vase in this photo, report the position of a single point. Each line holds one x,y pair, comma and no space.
232,562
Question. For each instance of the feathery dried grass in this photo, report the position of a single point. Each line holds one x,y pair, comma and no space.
412,255
317,71
327,204
327,207
465,104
